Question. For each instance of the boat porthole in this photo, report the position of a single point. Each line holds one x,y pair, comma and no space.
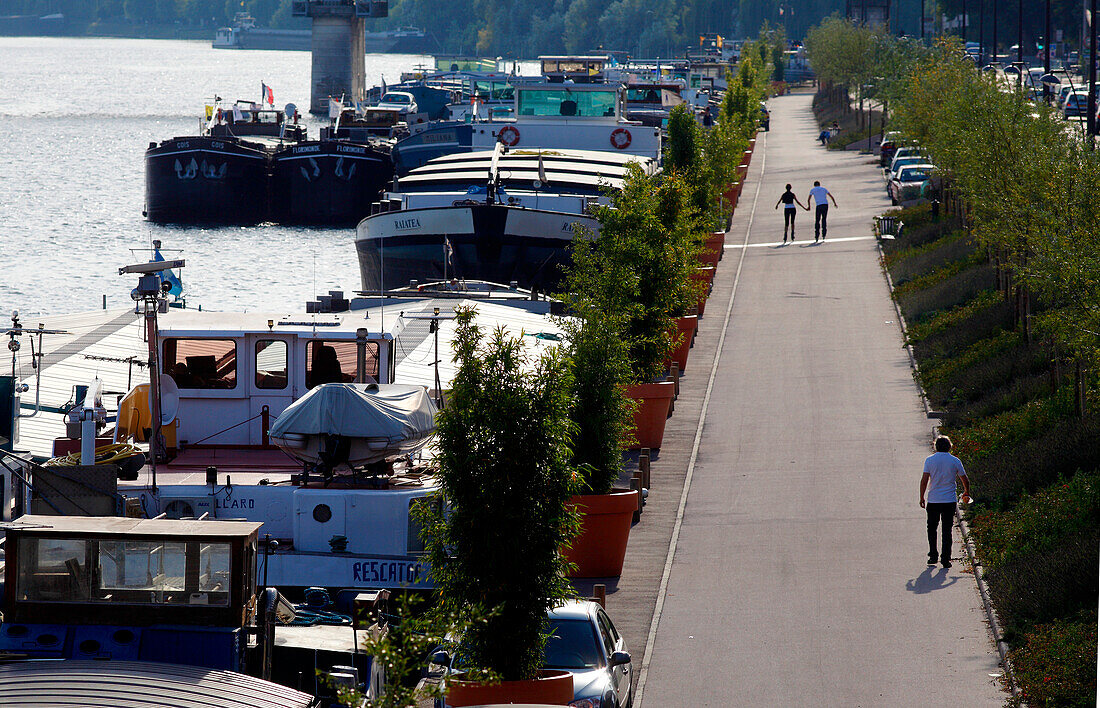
47,639
17,630
322,513
89,646
123,636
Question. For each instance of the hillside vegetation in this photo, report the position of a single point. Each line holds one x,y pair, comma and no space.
516,28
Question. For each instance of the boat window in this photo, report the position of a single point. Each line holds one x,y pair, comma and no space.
271,363
123,571
414,540
583,104
201,363
330,361
52,570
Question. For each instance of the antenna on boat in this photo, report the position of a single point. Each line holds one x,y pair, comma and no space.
435,317
494,173
151,297
8,428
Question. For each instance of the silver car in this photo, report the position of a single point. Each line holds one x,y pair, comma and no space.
583,641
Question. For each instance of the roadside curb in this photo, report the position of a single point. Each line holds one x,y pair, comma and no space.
964,528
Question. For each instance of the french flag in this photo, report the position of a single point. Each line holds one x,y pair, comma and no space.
266,94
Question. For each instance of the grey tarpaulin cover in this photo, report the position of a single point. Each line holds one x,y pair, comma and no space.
390,419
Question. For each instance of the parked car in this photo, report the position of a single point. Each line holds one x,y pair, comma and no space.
1076,105
900,163
765,117
906,151
1060,97
401,100
583,641
906,186
890,142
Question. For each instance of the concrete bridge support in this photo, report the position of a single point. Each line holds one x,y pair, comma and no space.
339,47
339,55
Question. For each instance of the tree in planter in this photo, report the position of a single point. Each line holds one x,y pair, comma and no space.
601,411
504,470
646,253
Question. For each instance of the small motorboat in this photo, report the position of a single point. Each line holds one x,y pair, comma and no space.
355,424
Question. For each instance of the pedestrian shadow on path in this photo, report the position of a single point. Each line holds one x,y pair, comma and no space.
931,579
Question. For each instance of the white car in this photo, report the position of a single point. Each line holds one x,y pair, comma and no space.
903,152
402,100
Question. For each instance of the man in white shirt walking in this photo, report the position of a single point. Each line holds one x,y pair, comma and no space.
940,472
820,197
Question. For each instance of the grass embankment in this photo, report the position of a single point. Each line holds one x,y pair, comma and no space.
1034,464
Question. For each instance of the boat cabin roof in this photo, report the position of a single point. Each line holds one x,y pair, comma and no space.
584,171
195,323
107,526
138,684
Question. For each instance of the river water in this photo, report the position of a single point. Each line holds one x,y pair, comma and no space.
76,116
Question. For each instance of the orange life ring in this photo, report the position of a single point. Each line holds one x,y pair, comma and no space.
508,135
620,138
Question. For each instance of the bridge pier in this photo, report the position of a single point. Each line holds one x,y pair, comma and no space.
339,47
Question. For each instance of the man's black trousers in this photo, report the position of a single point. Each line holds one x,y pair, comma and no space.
942,515
821,218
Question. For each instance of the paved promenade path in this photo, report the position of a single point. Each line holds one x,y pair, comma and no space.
799,575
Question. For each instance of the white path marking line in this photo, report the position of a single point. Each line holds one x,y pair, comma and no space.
802,242
659,608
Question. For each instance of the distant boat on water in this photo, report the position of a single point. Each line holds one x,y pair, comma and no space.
245,34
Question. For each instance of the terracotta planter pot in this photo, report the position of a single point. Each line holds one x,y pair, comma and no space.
654,401
704,275
685,328
708,256
748,157
599,549
730,195
717,242
551,687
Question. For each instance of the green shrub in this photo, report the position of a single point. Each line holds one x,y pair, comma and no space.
938,275
931,257
1057,453
1039,521
1043,586
940,374
951,385
1056,664
952,330
919,302
919,229
1005,430
1013,394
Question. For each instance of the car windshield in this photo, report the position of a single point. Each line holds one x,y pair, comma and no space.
572,645
915,174
395,98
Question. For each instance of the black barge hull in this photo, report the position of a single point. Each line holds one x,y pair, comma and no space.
206,180
490,242
327,182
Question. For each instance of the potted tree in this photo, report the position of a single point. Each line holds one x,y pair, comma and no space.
603,416
505,473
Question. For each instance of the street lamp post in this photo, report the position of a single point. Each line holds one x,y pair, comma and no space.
994,42
1046,53
1020,32
1092,74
